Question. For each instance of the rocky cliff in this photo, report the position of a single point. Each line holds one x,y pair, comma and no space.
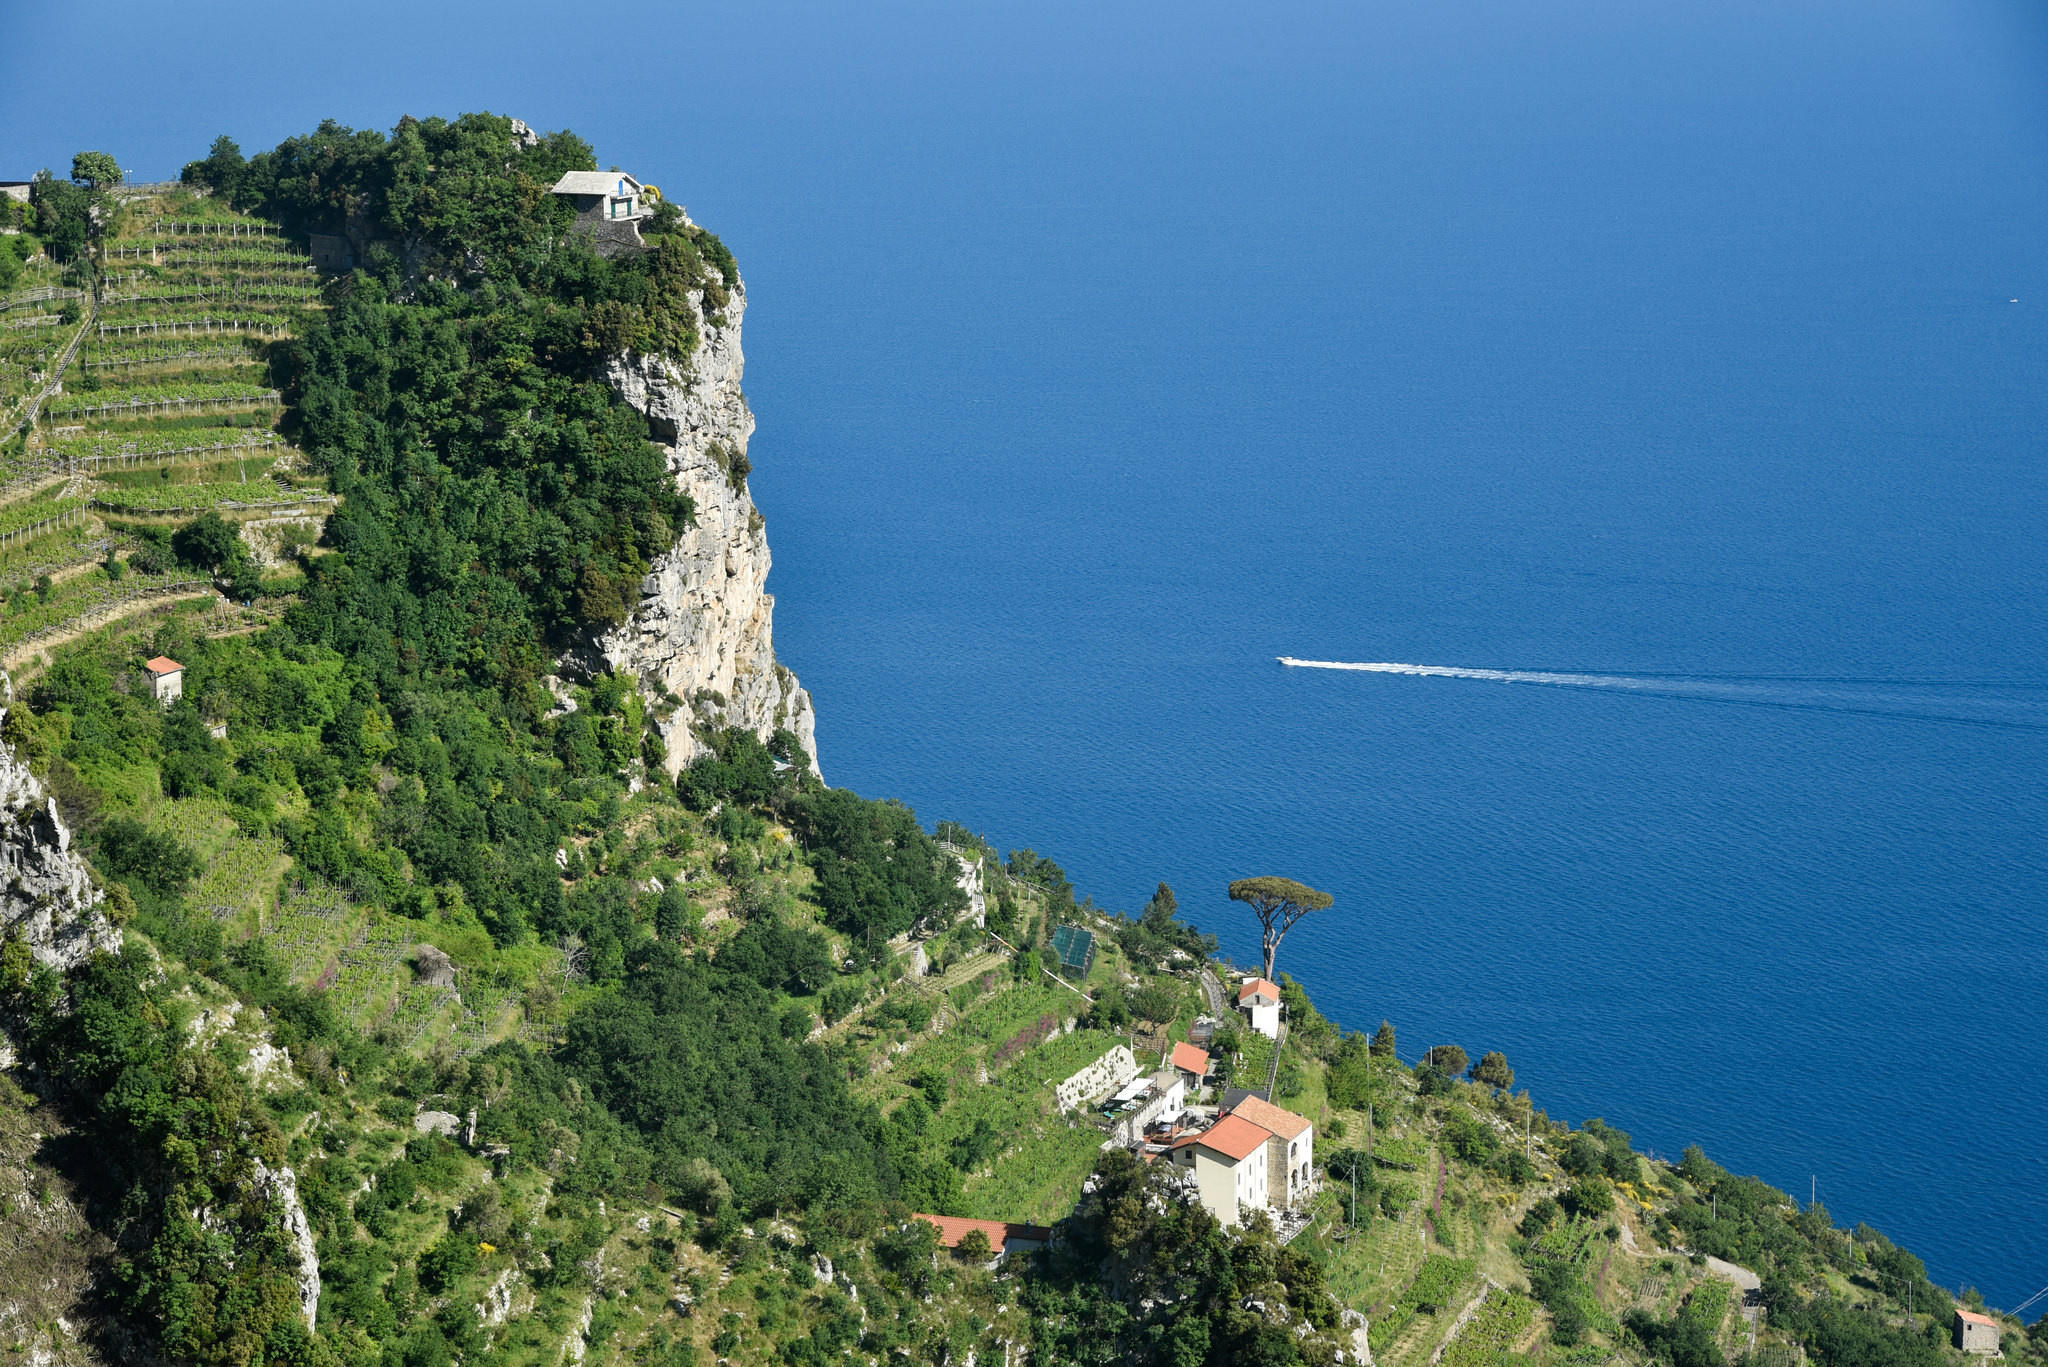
705,626
47,897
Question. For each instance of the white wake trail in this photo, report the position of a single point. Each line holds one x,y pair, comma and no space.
1452,672
1895,700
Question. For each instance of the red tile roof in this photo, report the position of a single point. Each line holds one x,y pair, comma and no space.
1189,1059
1257,987
163,664
1233,1136
1279,1120
953,1228
1978,1319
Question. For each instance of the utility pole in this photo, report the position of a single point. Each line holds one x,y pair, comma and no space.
1354,1189
1368,1116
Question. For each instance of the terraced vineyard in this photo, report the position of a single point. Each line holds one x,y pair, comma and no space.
147,373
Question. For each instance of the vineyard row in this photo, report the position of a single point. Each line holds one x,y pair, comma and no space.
261,329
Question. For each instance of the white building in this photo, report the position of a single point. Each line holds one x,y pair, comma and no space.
607,196
1230,1167
166,679
1259,999
1142,1102
609,207
1290,1153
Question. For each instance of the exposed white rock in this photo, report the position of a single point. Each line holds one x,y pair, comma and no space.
47,897
269,1065
496,1306
211,1022
437,1122
705,626
282,1186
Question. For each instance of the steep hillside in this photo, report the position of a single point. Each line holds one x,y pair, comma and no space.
469,963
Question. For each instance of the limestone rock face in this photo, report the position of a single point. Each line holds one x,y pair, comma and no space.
705,625
281,1185
46,896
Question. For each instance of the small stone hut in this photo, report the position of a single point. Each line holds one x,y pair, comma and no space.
609,207
434,968
1978,1334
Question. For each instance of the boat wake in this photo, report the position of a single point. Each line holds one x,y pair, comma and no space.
2008,704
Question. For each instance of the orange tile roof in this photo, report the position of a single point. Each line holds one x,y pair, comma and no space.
1233,1136
953,1228
1256,986
1279,1120
163,664
1978,1319
1189,1059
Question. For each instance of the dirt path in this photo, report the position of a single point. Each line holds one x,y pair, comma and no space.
1749,1284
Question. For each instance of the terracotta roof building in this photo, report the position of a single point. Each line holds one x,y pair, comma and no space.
1290,1154
1228,1160
166,679
1191,1061
1259,999
1004,1236
1978,1334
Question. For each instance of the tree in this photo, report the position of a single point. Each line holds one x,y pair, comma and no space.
974,1247
209,542
1447,1058
1383,1041
1160,911
221,171
1156,1001
1584,1156
95,170
64,218
1493,1070
1278,903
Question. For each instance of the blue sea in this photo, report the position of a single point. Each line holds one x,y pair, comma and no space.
1686,357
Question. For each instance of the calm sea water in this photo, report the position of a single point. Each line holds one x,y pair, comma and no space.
1693,353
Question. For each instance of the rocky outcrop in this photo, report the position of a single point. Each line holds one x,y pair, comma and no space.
704,629
47,897
281,1185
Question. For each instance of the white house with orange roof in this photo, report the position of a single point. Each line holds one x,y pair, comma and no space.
166,679
1259,999
1230,1167
1290,1153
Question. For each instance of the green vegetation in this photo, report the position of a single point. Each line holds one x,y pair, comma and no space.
1490,1339
697,1087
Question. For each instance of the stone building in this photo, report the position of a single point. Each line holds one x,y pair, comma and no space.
1978,1334
609,207
1290,1153
331,252
435,968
